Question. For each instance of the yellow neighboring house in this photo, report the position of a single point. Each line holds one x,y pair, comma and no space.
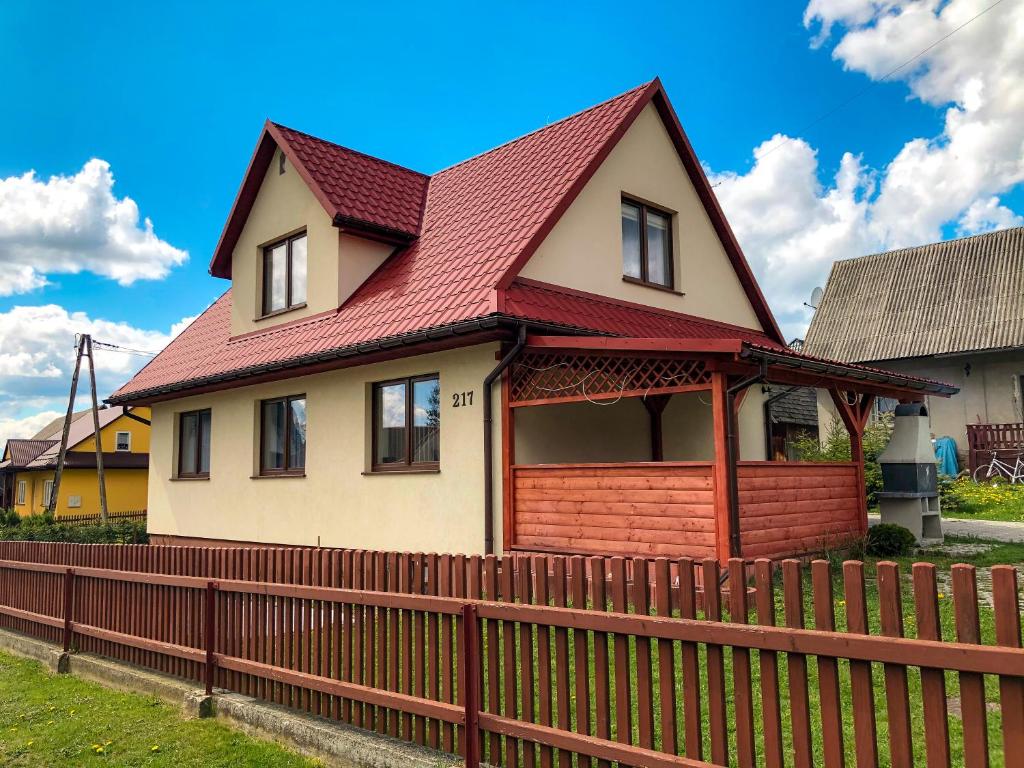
28,466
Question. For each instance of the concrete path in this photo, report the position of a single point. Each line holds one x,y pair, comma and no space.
981,529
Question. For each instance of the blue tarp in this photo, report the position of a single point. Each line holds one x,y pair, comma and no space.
945,455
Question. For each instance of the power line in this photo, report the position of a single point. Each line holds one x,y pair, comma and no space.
119,348
825,115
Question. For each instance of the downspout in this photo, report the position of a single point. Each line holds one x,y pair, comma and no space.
488,432
731,457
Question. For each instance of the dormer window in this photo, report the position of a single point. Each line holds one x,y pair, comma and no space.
284,275
646,244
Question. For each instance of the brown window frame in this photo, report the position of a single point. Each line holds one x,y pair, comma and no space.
286,470
671,271
199,441
408,465
265,311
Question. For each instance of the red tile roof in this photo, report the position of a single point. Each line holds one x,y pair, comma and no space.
541,302
357,186
480,221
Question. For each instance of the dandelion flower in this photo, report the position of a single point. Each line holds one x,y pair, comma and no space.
155,748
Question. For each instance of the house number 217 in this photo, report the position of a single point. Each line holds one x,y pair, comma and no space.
462,399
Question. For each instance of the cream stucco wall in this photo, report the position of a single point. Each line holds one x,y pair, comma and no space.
283,206
337,503
584,432
584,249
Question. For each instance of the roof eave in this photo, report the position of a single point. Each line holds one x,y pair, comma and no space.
854,372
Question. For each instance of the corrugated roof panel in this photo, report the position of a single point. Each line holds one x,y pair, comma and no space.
957,296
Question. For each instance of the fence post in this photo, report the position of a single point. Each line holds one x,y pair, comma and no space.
69,602
211,596
470,669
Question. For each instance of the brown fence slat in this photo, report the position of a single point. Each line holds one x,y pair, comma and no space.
897,693
603,650
771,711
527,660
972,686
865,733
743,694
933,681
509,676
1006,600
716,667
796,665
692,720
666,658
644,687
830,701
541,597
562,682
623,676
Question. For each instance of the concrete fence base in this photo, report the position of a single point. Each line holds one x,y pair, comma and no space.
332,743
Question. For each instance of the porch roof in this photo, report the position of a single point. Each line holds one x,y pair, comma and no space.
782,364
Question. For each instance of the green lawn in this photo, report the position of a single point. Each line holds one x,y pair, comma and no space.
57,720
999,500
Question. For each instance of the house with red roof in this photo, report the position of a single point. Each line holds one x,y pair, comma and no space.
556,345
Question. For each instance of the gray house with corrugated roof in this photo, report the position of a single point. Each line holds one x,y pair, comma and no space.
952,311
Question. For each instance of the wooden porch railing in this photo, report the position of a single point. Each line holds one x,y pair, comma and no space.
794,508
488,671
634,509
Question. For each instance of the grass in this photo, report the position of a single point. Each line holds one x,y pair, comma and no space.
58,720
998,500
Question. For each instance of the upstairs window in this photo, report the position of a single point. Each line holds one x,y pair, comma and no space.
284,275
283,436
123,442
407,424
194,444
646,244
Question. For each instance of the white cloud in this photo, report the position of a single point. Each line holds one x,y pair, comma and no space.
37,356
70,224
25,427
793,227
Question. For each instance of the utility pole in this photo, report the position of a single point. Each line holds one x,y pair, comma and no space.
96,431
84,349
51,503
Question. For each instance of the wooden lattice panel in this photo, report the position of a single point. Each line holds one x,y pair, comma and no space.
566,376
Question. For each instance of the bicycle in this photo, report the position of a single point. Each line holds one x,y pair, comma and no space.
996,467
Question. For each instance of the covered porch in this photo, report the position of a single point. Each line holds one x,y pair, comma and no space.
627,446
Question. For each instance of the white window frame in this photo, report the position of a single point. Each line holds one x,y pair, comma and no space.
47,492
117,442
22,490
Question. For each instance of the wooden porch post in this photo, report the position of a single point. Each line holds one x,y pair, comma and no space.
719,404
655,405
855,418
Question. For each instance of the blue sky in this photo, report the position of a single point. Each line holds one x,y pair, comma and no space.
172,96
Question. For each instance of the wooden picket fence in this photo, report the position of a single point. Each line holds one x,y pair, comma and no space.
552,660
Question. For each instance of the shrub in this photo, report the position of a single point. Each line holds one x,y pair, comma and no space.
836,447
888,540
46,528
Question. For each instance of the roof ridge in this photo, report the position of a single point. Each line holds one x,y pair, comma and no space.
951,241
528,134
349,149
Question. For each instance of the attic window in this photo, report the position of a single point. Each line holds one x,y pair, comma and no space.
646,244
123,442
284,275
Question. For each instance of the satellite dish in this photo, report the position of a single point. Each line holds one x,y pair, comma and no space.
815,301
